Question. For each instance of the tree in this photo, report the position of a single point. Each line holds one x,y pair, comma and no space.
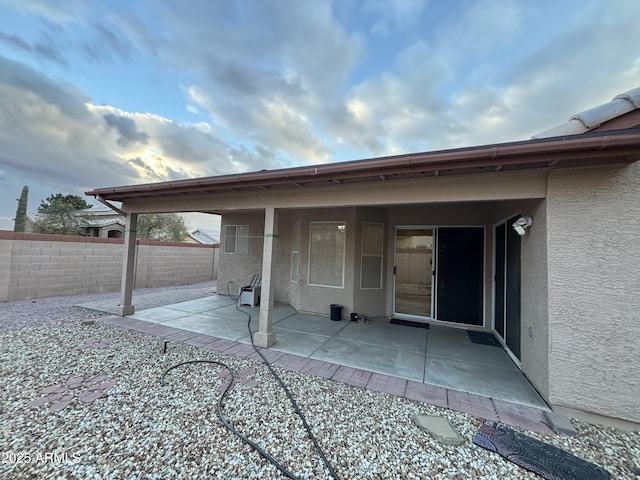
168,227
20,222
60,214
59,202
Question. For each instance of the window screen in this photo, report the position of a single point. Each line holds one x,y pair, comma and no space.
236,239
371,260
326,253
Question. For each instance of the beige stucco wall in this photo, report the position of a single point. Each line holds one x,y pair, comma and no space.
314,298
370,301
238,268
594,280
301,295
33,266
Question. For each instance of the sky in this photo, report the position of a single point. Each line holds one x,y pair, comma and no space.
119,92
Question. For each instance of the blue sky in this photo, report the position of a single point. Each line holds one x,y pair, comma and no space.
96,94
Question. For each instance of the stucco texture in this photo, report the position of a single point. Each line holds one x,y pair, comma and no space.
593,220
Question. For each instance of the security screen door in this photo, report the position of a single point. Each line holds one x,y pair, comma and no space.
460,267
507,282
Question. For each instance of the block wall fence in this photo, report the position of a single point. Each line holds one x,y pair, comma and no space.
41,265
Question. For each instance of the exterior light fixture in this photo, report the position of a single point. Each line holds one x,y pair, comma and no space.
522,224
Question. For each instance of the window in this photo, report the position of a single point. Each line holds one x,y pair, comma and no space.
371,264
295,251
236,239
326,254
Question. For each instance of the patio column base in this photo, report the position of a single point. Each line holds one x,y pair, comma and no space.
264,340
124,310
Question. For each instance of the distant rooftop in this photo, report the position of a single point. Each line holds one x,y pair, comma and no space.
105,222
206,237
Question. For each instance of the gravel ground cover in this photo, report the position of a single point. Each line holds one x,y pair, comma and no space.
82,399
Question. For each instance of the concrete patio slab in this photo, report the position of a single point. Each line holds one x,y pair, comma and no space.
390,361
230,329
505,383
380,332
160,314
314,324
201,305
439,366
454,343
298,343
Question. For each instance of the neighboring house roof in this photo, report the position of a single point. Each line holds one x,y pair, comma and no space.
101,217
625,105
99,213
206,237
105,222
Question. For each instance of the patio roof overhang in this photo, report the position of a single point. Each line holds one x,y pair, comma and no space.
590,149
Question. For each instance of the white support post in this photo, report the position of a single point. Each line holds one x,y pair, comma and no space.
126,306
265,336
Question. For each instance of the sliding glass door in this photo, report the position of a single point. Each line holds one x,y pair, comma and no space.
438,274
413,272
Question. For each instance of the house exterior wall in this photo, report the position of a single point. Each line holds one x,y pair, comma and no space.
594,278
314,298
370,301
238,268
301,295
285,289
34,266
534,332
105,231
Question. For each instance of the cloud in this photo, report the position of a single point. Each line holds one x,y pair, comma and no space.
107,45
62,95
127,130
486,26
270,85
66,144
54,139
396,111
58,12
390,16
421,102
578,68
153,168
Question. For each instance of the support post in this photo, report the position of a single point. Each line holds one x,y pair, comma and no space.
126,307
265,336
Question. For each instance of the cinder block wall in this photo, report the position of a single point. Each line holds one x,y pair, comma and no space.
34,265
